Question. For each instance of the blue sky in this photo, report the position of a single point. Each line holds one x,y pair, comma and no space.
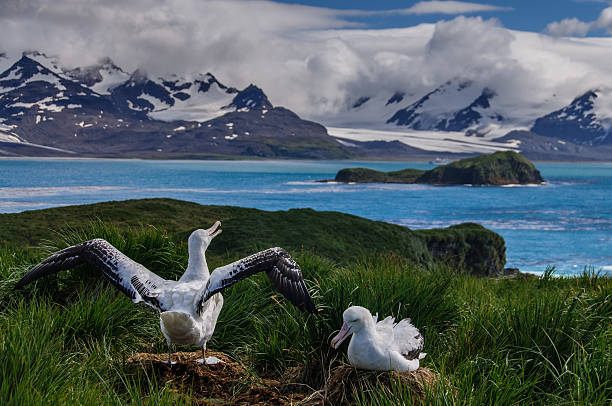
524,15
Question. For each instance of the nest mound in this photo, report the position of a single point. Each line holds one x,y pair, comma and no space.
345,382
224,383
229,383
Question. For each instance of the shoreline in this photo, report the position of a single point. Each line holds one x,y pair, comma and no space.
256,159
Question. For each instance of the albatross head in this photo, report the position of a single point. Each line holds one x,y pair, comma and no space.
356,318
201,238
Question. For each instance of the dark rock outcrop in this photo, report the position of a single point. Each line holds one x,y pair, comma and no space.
467,246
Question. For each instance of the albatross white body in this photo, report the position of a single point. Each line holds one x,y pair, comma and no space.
189,307
380,345
185,323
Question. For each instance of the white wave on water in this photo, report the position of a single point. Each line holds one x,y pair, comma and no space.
565,224
308,187
21,192
311,182
513,185
184,190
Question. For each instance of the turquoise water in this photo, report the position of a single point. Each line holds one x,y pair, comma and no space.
566,223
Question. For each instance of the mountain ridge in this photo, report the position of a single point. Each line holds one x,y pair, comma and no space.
44,109
101,110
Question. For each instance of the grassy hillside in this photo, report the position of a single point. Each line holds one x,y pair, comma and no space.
330,234
65,339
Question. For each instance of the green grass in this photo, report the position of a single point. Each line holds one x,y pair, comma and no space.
331,234
543,340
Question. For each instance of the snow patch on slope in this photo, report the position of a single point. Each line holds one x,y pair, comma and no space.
199,106
427,140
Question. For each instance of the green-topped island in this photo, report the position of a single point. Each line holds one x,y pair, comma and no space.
499,168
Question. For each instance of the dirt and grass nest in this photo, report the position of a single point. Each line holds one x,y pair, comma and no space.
229,382
345,383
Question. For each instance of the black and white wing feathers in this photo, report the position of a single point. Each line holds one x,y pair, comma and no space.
282,270
130,277
408,339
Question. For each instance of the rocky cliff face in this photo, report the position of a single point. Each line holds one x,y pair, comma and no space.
467,246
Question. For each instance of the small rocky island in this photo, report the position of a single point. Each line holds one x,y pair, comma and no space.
499,168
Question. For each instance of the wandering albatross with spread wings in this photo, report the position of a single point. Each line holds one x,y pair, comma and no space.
190,306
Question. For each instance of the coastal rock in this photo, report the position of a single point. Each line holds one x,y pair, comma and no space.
499,168
349,175
467,246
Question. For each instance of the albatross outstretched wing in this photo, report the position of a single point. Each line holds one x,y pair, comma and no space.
282,270
127,275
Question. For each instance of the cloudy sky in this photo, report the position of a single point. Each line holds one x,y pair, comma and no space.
316,56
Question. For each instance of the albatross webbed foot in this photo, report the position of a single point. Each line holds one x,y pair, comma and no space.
208,360
213,360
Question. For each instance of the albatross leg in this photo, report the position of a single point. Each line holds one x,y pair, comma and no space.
201,361
208,360
170,355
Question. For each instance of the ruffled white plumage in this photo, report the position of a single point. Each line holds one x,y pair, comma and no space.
380,345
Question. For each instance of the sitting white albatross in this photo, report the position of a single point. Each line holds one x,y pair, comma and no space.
190,306
380,346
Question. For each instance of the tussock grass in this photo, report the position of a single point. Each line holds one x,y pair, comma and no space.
65,339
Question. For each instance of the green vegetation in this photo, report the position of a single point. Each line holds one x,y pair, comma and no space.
500,168
65,338
339,236
348,175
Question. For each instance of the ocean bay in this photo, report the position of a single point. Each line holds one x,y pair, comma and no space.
566,223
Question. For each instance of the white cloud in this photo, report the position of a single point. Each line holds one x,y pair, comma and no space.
605,20
568,27
308,59
450,7
430,7
576,27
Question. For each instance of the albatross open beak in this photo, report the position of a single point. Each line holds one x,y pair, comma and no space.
345,331
211,231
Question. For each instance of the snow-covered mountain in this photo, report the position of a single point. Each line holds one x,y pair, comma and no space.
585,121
28,85
454,106
100,110
101,77
464,116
